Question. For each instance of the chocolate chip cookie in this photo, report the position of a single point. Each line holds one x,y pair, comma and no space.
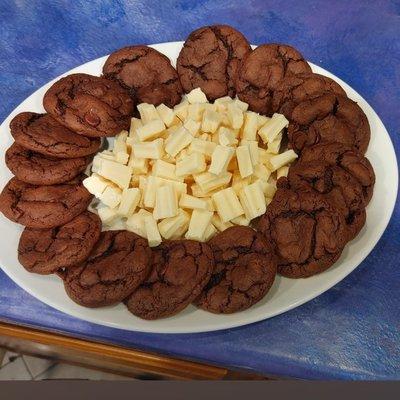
308,233
328,118
181,268
89,105
210,59
262,70
302,87
43,134
346,158
38,169
43,207
245,269
146,73
117,265
44,251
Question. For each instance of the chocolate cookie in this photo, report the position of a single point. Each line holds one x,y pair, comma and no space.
146,73
210,58
244,272
338,185
262,70
117,265
308,233
302,87
89,105
181,268
43,206
326,119
44,251
43,134
39,169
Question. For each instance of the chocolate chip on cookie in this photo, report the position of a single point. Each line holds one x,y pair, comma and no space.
117,265
89,105
210,59
38,169
44,251
43,207
43,134
307,231
146,73
181,268
262,70
245,269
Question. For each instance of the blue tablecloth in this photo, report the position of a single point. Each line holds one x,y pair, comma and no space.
350,332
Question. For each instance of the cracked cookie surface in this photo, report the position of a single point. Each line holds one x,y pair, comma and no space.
146,73
328,118
43,206
43,134
210,59
245,269
44,251
39,169
118,263
308,233
89,105
181,268
262,70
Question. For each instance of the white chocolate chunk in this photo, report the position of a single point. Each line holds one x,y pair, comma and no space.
235,116
192,126
263,156
196,96
282,171
115,172
95,184
241,220
167,115
175,227
226,137
270,130
198,224
152,130
122,157
209,232
165,170
135,124
107,214
152,150
268,189
252,200
120,143
211,121
147,112
191,202
139,165
149,197
219,224
262,120
178,141
115,225
250,126
238,182
262,172
181,110
210,204
282,159
244,161
241,104
135,223
202,146
220,159
253,149
111,196
129,201
152,233
209,182
227,204
192,164
195,111
275,145
166,204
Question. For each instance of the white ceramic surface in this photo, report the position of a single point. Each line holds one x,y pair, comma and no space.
285,294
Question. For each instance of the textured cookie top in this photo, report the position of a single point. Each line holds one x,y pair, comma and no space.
89,105
210,59
146,73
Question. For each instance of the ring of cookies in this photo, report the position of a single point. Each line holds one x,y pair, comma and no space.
236,166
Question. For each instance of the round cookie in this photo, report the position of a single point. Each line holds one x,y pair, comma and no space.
244,272
117,265
89,105
262,70
346,158
181,268
43,134
38,169
146,73
301,87
44,251
338,185
326,119
43,207
210,58
308,233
